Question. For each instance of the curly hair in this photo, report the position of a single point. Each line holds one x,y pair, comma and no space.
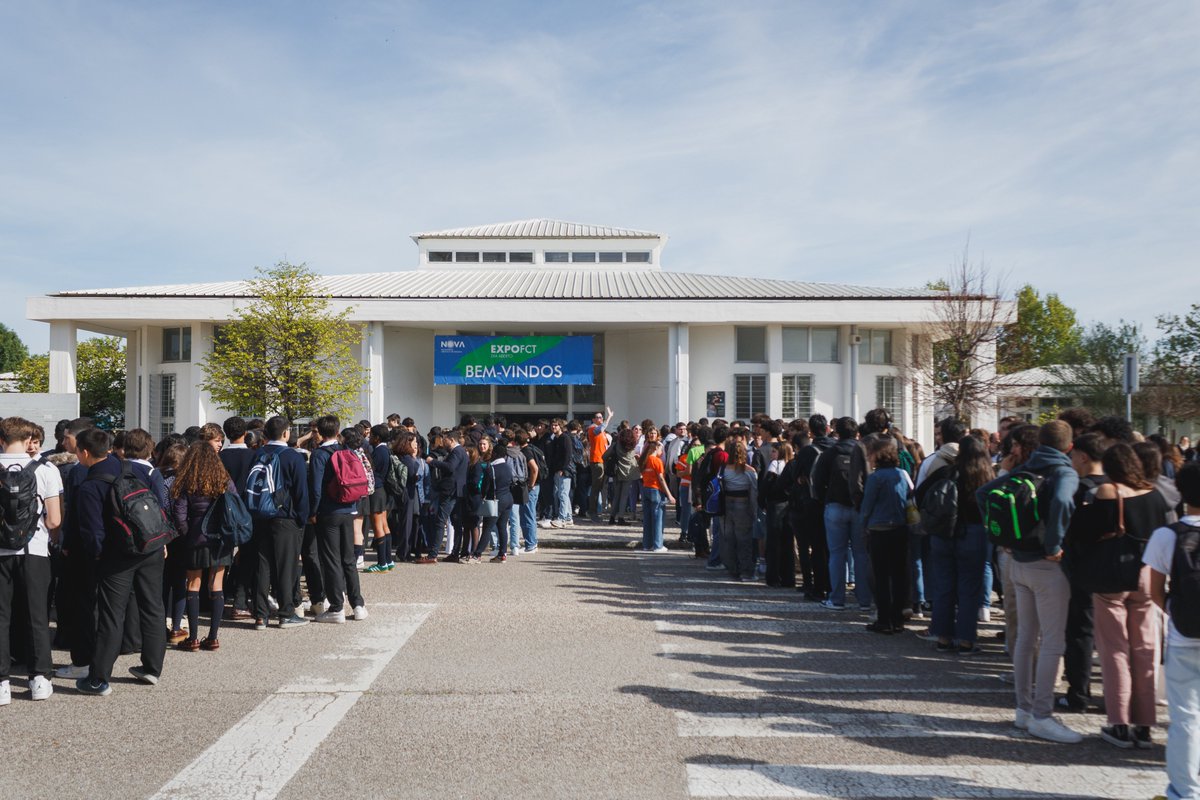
200,473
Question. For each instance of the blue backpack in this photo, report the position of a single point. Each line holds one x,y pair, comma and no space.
714,505
228,521
265,495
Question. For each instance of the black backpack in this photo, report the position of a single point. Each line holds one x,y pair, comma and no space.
539,458
20,508
577,454
937,500
140,522
1185,581
1012,511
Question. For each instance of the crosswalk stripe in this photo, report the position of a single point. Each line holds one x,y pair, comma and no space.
855,724
922,780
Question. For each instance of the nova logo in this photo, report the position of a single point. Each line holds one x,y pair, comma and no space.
454,344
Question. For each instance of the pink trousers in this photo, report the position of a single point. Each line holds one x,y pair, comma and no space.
1127,639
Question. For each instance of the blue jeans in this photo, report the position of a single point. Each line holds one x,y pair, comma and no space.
843,533
1183,740
513,527
985,596
958,565
529,517
714,554
652,519
562,497
918,549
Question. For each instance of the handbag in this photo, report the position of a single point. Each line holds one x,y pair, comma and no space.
1111,564
489,508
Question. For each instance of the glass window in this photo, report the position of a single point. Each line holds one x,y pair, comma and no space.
889,394
177,344
876,347
797,396
593,394
550,394
610,258
751,344
637,258
166,398
440,256
556,258
474,395
520,258
494,258
583,258
512,394
795,344
472,258
825,345
750,396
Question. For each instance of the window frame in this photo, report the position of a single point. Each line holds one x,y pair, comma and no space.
184,355
796,412
738,330
751,408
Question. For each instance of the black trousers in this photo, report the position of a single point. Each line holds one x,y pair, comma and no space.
116,577
240,578
889,559
1077,659
335,545
131,632
311,562
780,553
402,524
277,560
76,604
813,547
29,578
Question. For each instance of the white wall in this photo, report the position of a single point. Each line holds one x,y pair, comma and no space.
646,376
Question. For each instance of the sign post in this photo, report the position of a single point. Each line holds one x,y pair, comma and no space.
1129,381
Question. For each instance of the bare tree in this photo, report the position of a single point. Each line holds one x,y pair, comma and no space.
965,325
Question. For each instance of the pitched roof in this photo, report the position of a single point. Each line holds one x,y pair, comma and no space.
539,284
538,229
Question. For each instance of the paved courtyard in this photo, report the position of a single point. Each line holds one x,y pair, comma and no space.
568,673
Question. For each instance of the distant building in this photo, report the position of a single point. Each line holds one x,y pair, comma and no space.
665,345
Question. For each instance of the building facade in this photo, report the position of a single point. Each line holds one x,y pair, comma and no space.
666,345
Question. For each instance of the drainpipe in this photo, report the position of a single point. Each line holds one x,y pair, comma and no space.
855,341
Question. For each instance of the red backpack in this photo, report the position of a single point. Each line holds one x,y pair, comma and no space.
348,483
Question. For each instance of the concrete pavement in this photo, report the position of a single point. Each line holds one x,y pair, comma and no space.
565,673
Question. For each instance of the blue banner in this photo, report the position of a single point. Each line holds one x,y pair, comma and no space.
513,360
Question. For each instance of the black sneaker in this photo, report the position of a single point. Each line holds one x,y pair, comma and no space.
1117,736
1141,737
1067,705
880,627
945,647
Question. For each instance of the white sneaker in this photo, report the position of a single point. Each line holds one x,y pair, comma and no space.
1021,722
1052,730
660,550
72,672
985,614
360,562
318,608
40,688
5,693
272,604
555,524
360,613
336,617
305,605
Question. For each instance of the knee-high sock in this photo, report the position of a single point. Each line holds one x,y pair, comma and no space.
218,610
383,548
193,614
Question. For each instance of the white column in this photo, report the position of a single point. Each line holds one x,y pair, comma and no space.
775,371
62,357
854,345
372,362
679,371
133,375
143,371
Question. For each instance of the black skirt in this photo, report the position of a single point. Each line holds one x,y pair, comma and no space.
208,556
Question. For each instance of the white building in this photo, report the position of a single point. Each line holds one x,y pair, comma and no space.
665,343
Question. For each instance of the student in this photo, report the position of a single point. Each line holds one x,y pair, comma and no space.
116,571
381,463
656,496
1171,556
279,538
882,515
1042,590
334,529
535,462
597,444
739,483
75,592
560,459
200,480
831,481
26,571
809,512
450,477
621,464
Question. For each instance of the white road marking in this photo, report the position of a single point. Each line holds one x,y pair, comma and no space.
257,757
928,780
724,605
857,725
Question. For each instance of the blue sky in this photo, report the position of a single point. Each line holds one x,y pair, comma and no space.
837,141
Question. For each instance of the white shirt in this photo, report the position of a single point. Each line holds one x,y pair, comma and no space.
1158,555
49,484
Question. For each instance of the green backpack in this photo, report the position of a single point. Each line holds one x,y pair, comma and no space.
1011,513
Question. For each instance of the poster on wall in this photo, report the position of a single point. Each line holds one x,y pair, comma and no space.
513,360
714,404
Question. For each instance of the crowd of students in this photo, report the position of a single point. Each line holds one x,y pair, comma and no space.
913,538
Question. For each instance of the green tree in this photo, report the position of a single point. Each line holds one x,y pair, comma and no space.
286,353
13,351
1094,367
1173,381
1043,335
99,378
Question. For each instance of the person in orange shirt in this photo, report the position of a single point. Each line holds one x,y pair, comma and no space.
597,441
656,495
